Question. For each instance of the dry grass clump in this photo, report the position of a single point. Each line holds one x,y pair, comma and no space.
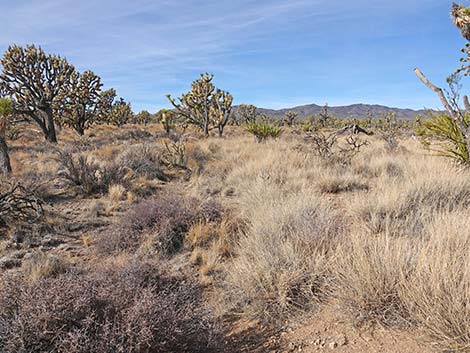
369,272
437,293
41,265
131,308
339,180
281,261
116,193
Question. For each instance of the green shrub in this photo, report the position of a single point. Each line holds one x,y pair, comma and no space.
262,130
444,131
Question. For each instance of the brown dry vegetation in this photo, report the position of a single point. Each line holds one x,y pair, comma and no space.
136,254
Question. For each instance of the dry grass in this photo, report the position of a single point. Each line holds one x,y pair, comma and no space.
273,230
438,292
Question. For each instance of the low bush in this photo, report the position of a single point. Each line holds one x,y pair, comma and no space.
143,160
163,222
131,308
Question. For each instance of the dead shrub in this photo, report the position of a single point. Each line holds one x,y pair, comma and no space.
127,309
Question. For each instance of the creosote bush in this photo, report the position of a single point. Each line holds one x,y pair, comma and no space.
127,308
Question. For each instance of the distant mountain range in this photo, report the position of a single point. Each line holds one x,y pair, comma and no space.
355,110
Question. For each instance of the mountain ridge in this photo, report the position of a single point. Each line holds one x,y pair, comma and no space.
359,110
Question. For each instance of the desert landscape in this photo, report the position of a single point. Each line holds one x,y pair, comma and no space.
210,226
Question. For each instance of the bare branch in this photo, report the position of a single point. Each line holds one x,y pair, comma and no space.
436,89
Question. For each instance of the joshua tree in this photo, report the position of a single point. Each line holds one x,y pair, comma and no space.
247,113
221,109
143,117
36,82
81,107
324,117
121,113
167,119
6,108
289,118
459,119
106,101
204,106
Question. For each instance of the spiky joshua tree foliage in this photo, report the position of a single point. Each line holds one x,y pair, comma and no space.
205,106
36,83
120,113
289,118
81,105
167,119
247,113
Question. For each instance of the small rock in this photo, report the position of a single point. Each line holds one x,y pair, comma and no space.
332,345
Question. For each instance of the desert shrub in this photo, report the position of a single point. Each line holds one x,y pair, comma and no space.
125,309
263,130
328,148
163,221
18,205
368,273
175,152
143,160
93,177
89,176
280,261
437,293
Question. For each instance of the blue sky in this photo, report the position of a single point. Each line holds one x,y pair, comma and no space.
273,54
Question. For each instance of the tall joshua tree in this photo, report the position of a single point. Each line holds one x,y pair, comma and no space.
81,106
459,119
204,106
36,82
6,108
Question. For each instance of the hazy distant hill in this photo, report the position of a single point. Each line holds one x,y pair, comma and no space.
355,110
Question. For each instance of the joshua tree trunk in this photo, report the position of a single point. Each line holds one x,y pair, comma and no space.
5,166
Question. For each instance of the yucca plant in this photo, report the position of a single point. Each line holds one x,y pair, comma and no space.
444,131
263,130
